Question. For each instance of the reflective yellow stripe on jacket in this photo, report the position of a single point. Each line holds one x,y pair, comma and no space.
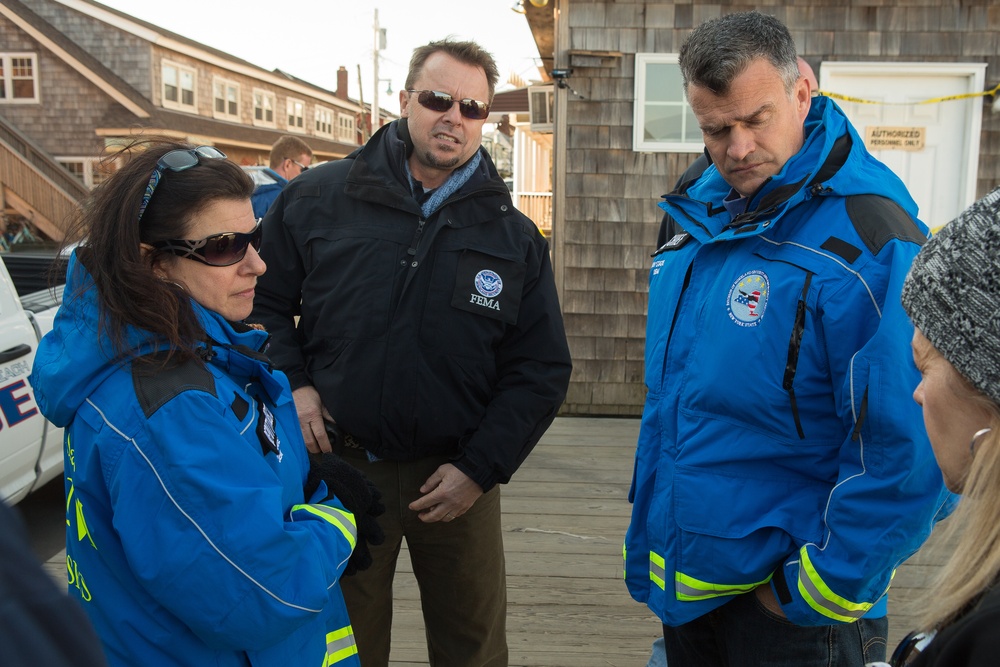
340,646
819,596
342,519
689,589
657,570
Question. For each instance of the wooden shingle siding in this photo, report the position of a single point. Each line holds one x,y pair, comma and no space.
68,101
610,193
124,54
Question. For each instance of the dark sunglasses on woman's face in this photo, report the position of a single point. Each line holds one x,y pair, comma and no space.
178,160
441,102
215,250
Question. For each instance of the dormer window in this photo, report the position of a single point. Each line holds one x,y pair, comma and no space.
178,86
18,78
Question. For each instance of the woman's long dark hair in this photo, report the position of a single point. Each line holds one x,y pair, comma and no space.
129,294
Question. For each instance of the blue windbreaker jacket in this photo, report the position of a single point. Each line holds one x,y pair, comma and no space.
189,541
779,440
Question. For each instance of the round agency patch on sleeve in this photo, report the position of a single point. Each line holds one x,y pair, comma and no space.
748,298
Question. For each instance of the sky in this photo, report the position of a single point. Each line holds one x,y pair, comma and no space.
311,39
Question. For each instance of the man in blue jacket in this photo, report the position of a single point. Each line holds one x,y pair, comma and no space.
290,157
782,472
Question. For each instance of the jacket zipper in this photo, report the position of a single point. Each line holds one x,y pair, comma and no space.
792,362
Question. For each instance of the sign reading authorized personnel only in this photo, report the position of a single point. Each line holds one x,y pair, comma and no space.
879,138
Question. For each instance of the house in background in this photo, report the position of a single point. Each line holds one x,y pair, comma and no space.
623,134
77,79
523,116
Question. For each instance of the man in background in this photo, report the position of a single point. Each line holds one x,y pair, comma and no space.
290,157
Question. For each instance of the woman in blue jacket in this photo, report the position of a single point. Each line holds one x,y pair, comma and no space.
190,540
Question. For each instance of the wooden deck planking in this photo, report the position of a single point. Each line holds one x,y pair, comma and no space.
564,517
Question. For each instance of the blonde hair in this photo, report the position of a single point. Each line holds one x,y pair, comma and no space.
974,564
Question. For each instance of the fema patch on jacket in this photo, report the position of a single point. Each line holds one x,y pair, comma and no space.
488,285
748,298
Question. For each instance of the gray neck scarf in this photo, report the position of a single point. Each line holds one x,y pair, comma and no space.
457,179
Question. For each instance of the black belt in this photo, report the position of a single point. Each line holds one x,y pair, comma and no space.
341,439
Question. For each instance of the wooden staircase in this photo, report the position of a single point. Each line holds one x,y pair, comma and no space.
34,186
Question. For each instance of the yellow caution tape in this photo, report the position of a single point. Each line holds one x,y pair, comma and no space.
847,98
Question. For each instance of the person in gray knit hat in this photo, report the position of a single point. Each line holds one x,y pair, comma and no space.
952,293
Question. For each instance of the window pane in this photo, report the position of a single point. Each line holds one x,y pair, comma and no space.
692,132
169,84
663,122
23,89
664,83
75,168
21,67
187,88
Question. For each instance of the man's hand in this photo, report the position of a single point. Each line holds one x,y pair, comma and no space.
311,415
765,595
448,494
358,495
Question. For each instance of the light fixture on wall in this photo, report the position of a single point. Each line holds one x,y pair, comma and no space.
519,5
560,76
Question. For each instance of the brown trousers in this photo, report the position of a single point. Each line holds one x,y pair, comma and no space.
459,567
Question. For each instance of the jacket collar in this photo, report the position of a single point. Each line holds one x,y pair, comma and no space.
832,160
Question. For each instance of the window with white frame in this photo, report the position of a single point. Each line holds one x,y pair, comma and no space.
263,107
92,171
663,120
296,114
324,121
178,86
18,77
346,129
226,99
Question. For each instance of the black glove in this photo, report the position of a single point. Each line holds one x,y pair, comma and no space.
359,497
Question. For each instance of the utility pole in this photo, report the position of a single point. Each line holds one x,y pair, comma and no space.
379,44
361,95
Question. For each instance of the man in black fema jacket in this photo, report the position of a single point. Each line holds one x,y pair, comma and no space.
430,332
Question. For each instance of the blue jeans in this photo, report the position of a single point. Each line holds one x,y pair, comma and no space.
658,655
743,633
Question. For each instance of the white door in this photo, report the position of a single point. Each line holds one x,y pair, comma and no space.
939,167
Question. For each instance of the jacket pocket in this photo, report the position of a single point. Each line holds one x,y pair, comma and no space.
348,283
734,529
474,297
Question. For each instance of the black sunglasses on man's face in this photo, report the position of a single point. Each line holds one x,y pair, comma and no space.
437,101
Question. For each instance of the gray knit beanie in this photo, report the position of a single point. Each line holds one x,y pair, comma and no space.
952,293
